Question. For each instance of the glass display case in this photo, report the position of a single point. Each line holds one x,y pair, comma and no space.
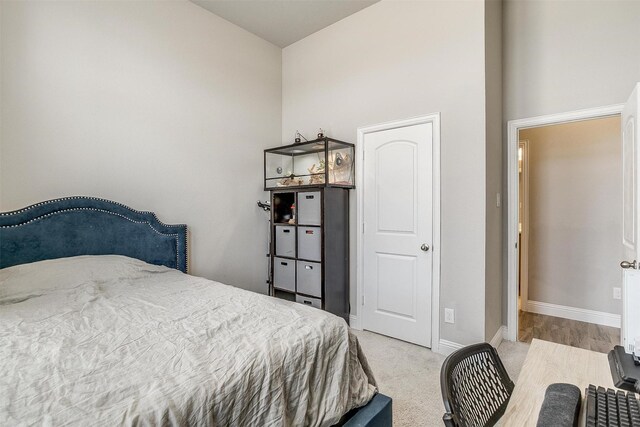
323,162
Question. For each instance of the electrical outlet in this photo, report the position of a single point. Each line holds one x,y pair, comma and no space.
617,293
449,315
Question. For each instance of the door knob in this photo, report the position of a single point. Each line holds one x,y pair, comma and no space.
627,264
424,247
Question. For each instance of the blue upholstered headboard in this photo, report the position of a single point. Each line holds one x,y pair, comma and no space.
81,225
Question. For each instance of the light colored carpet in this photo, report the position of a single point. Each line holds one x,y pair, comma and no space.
410,375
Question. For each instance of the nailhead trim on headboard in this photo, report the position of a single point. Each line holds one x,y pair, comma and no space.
48,202
171,235
175,236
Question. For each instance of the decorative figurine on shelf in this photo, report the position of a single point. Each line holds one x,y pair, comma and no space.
293,214
341,169
317,175
320,133
290,180
298,139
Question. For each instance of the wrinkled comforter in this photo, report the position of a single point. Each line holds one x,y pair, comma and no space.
109,340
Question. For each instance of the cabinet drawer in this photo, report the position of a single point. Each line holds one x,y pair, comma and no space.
286,241
313,302
309,208
309,278
284,274
310,243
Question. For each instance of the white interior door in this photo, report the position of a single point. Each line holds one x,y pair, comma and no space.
398,232
630,232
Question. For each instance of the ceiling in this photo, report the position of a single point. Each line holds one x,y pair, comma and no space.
283,22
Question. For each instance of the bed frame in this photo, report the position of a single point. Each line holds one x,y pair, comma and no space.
80,225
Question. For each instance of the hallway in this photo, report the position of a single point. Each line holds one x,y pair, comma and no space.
565,331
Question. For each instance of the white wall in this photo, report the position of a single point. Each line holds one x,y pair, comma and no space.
162,106
567,55
575,220
394,60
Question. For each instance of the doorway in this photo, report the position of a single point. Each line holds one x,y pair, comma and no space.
534,254
570,223
399,230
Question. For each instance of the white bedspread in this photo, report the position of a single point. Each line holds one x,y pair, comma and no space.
111,340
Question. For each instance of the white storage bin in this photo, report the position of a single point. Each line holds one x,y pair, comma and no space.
286,241
309,278
310,243
313,302
284,274
309,208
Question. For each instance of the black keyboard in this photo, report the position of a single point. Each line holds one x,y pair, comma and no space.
607,407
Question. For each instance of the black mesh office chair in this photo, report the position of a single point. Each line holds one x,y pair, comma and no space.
475,387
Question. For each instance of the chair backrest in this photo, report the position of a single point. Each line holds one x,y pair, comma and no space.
475,387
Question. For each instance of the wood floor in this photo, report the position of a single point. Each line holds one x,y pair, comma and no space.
569,332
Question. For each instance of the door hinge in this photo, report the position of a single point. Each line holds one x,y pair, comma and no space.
516,245
362,299
363,228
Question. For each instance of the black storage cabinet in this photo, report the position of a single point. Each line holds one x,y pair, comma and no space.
310,258
309,252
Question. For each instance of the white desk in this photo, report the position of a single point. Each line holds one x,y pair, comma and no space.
549,363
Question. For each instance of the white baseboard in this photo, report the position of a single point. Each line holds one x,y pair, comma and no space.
505,333
498,337
573,313
442,347
354,322
447,347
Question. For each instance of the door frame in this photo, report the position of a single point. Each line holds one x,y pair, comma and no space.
513,128
524,242
434,120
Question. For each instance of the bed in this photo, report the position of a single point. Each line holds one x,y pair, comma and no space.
101,325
